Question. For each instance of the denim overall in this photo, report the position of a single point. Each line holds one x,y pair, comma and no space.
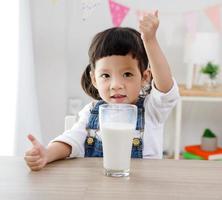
93,145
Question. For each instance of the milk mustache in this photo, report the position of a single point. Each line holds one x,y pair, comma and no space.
117,145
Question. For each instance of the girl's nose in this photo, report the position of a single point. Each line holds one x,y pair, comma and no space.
116,84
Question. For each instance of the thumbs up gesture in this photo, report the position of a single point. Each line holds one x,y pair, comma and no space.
148,26
36,157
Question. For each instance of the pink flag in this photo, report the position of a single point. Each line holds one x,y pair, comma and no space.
213,12
191,22
118,12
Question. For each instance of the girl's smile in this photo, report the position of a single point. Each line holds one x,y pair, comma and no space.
118,98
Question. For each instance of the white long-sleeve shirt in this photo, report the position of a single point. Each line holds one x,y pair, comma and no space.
157,107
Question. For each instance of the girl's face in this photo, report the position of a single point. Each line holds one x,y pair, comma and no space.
118,79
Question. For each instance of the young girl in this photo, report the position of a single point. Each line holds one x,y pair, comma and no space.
118,72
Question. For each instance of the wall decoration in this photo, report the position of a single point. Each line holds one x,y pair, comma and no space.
118,12
213,12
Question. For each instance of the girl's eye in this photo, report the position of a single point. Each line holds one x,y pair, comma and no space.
105,76
127,74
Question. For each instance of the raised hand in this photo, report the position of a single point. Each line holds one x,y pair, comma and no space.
36,157
148,26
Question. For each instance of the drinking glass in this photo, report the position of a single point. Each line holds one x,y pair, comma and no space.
117,124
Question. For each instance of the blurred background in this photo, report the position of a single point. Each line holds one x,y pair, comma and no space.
44,52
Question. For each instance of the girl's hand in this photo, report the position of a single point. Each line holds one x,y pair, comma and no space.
36,157
148,26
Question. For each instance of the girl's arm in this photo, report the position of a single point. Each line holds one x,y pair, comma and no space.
159,66
57,151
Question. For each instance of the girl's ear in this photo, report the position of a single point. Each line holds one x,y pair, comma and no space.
146,77
93,79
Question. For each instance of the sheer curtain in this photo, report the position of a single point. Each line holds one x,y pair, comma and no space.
27,116
9,12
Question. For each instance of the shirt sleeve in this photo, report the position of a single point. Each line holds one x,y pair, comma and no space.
158,105
75,137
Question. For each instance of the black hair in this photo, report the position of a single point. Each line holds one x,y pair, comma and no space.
113,41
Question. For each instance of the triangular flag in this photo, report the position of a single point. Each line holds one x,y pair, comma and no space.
88,6
213,13
191,22
118,12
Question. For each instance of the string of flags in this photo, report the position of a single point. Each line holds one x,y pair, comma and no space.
119,11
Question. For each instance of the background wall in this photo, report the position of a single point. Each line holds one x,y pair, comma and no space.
61,41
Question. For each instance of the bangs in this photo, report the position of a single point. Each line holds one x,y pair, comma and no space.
117,41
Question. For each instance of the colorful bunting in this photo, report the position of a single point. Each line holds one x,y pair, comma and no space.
88,6
213,12
118,12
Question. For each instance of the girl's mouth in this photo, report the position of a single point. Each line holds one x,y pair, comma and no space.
119,98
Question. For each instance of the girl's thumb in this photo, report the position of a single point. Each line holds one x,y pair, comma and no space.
33,140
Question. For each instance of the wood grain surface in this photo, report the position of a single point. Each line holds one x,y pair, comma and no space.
83,178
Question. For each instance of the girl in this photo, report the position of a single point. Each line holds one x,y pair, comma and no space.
118,72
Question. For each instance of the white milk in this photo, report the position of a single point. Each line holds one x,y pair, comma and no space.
117,145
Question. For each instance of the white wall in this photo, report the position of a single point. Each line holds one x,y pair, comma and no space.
50,58
62,38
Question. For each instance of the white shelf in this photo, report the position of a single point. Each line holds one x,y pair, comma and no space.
196,93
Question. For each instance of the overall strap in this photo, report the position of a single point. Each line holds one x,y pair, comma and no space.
140,114
94,115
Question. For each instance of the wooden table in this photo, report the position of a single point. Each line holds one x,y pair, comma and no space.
83,178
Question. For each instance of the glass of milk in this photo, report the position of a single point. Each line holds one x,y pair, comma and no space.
117,124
